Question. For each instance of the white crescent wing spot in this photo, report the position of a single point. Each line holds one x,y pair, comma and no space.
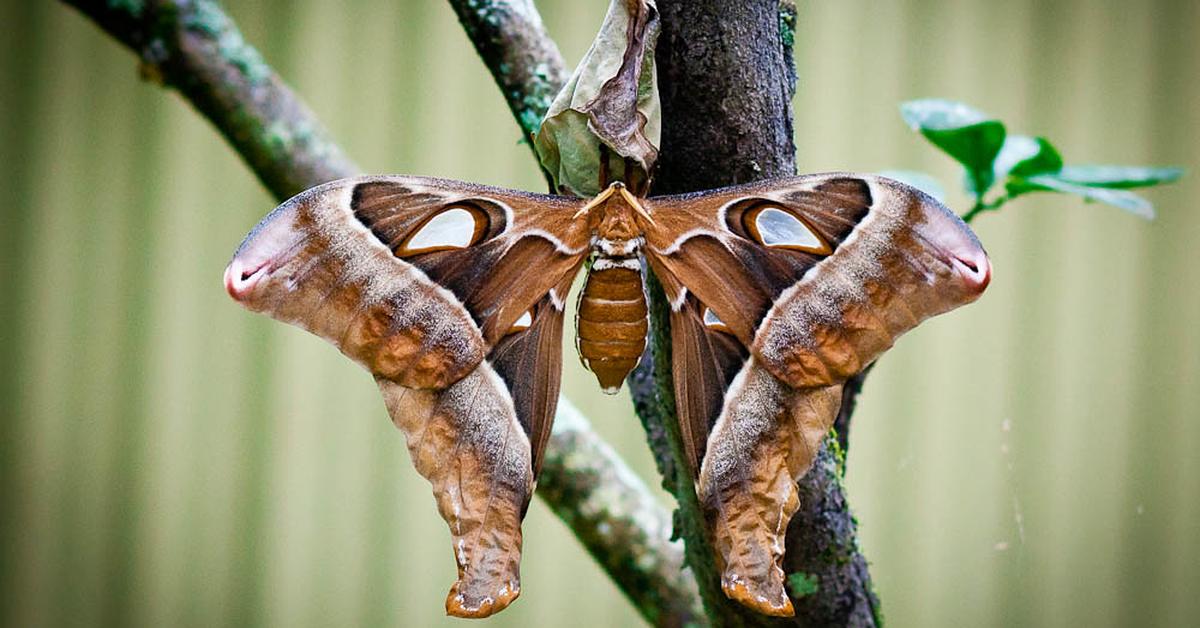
714,322
454,228
523,323
777,227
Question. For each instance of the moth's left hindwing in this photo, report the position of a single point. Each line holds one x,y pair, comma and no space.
780,291
451,295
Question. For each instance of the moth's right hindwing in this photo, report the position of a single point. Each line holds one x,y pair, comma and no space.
451,295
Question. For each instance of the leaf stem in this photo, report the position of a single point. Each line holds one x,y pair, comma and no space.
980,206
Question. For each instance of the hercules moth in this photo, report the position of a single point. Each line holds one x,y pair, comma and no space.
451,294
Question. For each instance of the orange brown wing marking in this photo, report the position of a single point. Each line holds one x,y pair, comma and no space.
764,441
521,244
466,440
312,264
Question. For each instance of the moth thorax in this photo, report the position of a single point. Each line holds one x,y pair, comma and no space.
611,324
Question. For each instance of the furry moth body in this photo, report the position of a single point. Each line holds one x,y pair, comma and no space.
451,295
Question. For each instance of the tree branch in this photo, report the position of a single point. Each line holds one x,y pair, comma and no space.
194,47
626,531
727,80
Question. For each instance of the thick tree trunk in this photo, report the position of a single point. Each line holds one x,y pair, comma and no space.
727,81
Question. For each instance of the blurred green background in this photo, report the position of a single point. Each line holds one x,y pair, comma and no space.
168,459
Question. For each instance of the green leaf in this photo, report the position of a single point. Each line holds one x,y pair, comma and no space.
920,180
968,135
1026,156
802,584
606,123
1119,177
1128,201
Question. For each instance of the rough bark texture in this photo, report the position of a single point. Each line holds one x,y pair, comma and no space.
727,80
727,89
196,48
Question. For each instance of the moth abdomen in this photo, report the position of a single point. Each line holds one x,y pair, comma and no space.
611,324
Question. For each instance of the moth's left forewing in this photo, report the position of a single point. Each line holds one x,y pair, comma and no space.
816,274
907,259
712,243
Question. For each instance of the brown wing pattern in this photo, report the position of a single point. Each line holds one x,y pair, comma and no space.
526,243
530,363
765,439
702,240
467,442
451,295
803,281
703,363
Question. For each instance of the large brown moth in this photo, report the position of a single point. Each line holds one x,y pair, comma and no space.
451,295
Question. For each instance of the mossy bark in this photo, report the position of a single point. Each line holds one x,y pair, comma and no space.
525,63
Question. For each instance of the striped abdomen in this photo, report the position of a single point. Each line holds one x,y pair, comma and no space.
611,323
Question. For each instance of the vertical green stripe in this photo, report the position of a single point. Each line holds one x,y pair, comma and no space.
21,60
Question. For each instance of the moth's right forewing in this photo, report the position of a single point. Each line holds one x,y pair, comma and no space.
908,259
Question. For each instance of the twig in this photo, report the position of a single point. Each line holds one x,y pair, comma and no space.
981,206
626,531
193,46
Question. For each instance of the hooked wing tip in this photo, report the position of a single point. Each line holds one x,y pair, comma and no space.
241,279
273,243
458,606
974,268
736,590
